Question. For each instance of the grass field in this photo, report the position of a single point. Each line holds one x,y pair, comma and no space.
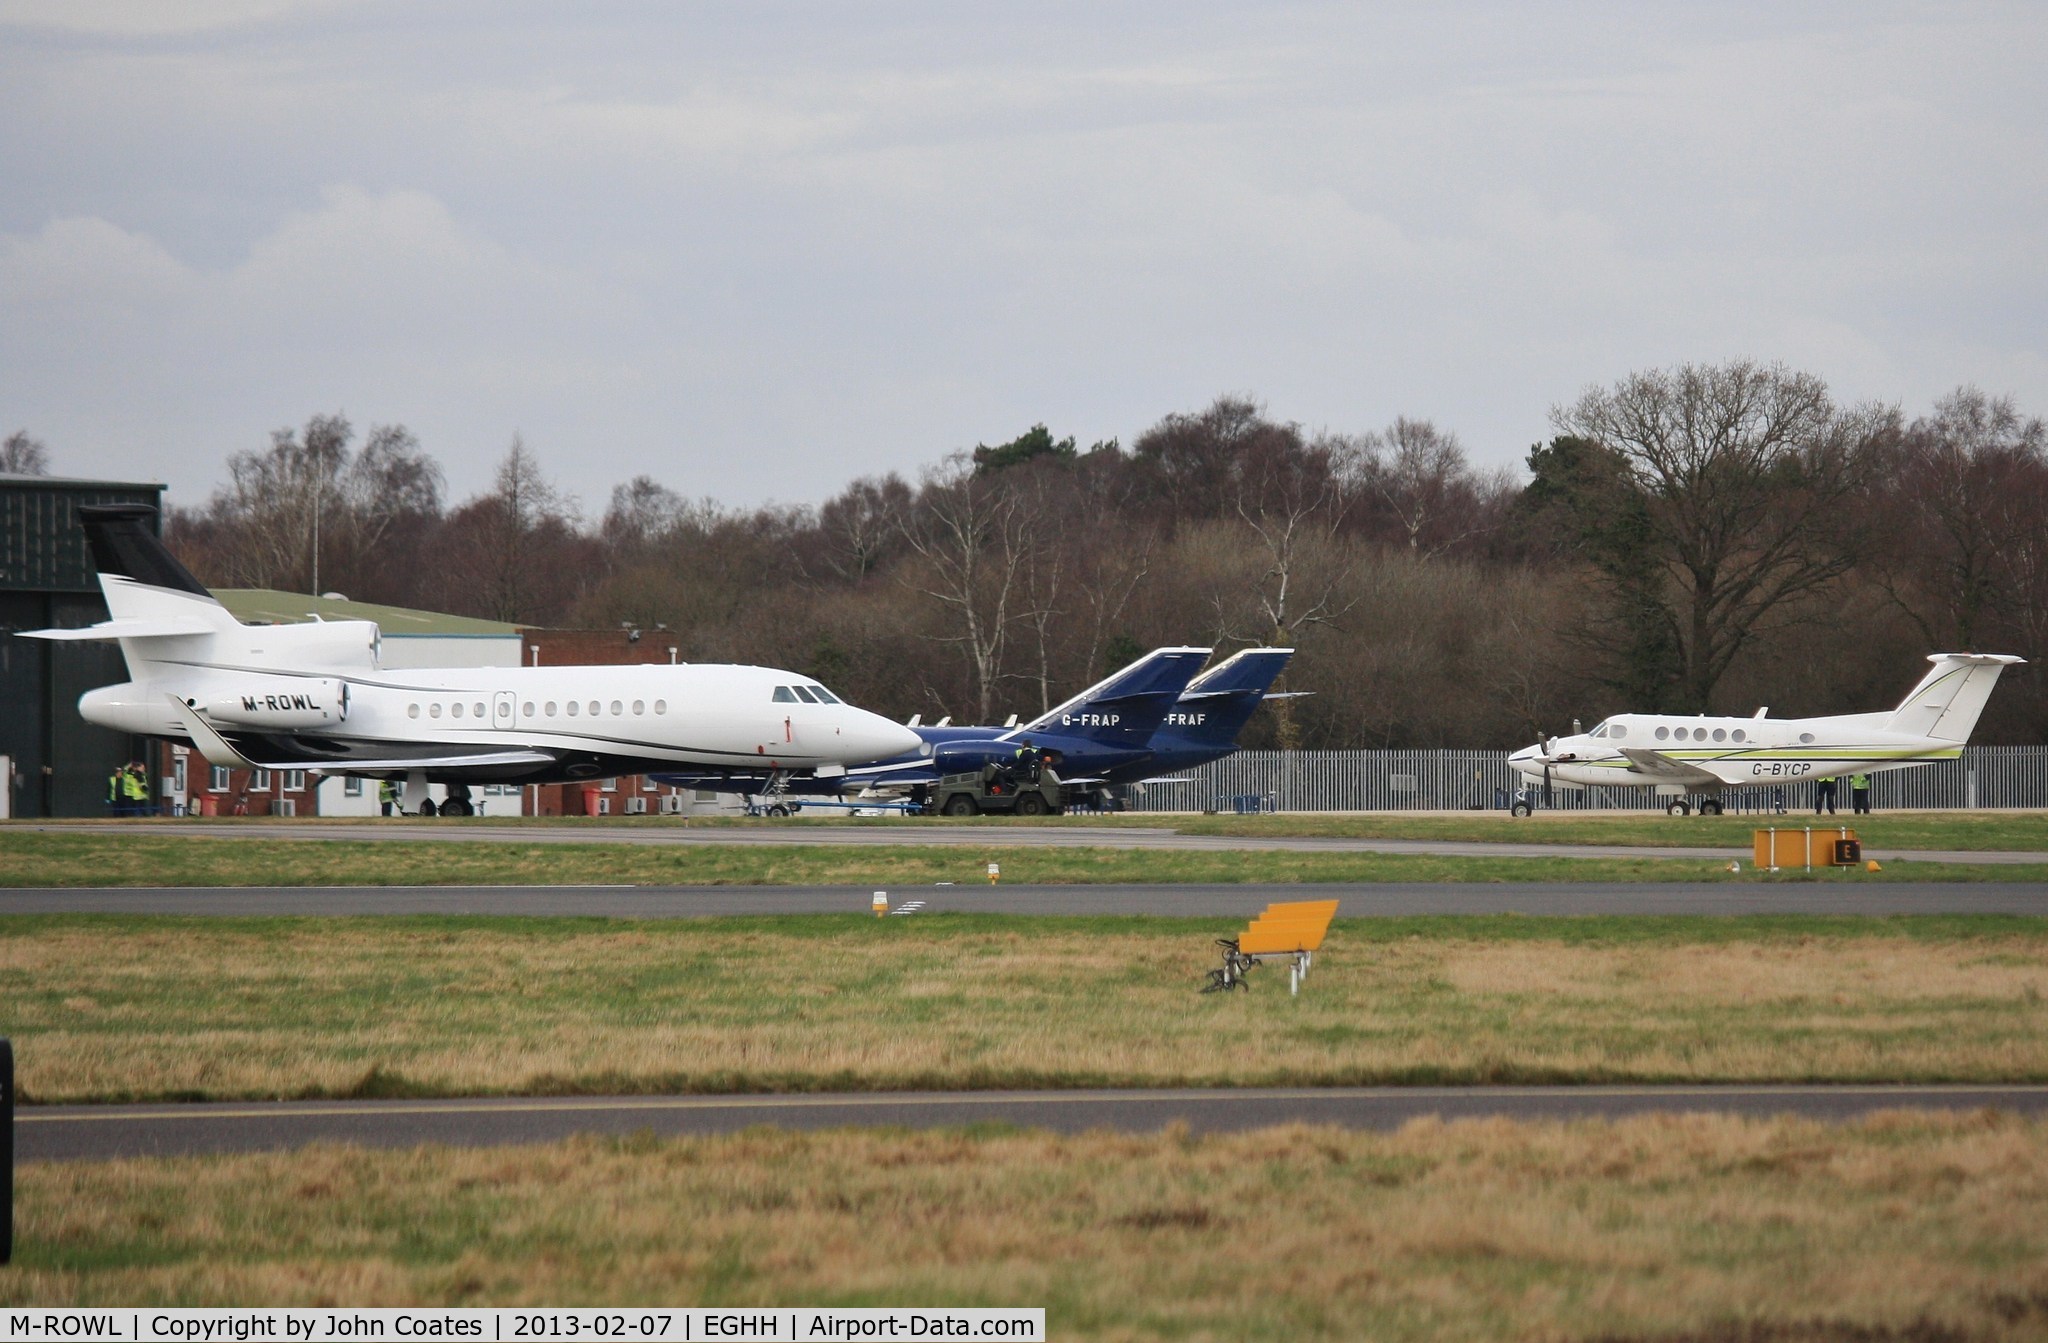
110,1008
1900,1227
29,858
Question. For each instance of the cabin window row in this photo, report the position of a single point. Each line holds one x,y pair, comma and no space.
549,709
1699,734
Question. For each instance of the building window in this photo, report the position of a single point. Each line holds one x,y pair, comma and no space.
260,781
178,775
217,779
609,786
295,781
352,787
649,786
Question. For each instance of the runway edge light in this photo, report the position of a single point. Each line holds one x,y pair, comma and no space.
881,903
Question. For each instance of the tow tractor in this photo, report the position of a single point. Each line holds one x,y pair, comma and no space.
994,791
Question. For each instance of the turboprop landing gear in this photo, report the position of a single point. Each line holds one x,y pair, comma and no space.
1678,806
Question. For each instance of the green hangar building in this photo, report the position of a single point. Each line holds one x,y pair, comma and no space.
57,763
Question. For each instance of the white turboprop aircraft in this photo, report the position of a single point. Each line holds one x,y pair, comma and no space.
1702,755
313,697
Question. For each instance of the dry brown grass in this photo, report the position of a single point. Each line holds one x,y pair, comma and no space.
105,1009
1901,1226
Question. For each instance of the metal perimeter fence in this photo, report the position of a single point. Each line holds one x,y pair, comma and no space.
1985,777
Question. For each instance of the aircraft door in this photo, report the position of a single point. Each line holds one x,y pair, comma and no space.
501,709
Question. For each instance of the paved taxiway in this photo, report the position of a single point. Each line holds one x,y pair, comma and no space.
1842,895
70,1133
949,835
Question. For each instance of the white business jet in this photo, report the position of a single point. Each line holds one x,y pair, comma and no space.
1694,758
313,697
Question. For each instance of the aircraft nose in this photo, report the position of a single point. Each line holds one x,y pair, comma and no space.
1528,760
869,736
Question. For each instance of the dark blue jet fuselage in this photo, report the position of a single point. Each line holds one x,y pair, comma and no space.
1108,726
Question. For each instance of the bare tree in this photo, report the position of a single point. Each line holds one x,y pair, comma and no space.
21,455
862,525
1416,477
970,536
1963,494
1743,486
514,518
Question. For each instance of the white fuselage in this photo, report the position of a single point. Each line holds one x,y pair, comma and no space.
1704,754
1734,751
314,692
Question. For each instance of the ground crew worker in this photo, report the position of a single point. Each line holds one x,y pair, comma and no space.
117,795
1859,793
135,789
387,796
1824,795
1027,761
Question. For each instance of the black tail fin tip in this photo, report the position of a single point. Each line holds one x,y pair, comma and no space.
124,543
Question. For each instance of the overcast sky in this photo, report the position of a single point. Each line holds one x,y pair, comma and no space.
755,250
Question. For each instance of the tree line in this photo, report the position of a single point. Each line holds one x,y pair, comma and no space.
1702,538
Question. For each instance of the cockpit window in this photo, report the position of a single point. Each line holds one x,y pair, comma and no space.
824,696
784,695
803,692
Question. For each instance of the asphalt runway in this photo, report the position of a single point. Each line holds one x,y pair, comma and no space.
1377,899
80,1133
949,835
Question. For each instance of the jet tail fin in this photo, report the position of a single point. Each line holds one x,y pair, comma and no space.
142,579
1946,703
1217,705
1126,708
149,594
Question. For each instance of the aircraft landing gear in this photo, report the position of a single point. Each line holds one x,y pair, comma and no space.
1710,806
427,808
1521,808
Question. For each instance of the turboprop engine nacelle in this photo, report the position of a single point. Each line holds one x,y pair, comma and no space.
294,703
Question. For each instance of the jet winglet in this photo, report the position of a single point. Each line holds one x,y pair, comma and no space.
210,743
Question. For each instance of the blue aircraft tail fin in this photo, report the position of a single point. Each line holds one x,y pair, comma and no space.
1126,708
1217,705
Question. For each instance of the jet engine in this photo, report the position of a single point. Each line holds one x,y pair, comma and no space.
283,704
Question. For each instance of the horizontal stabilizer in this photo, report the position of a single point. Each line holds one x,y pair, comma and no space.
140,627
